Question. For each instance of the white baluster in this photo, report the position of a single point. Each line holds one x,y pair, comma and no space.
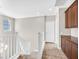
8,47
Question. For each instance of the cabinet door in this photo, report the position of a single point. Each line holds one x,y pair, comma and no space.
67,18
68,49
71,16
74,15
63,44
74,51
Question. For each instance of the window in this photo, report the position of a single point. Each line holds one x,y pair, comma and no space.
6,25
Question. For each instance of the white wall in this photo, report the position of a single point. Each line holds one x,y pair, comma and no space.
50,29
1,27
74,32
62,29
57,29
69,2
28,29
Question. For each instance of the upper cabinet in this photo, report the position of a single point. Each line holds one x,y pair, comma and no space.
71,16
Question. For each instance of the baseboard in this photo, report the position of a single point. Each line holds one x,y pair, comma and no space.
58,47
36,50
27,53
50,42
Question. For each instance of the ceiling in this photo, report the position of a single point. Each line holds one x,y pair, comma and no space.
28,8
60,2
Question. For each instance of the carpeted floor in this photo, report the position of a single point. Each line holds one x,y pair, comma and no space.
51,52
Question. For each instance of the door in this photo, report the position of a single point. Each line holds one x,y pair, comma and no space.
50,30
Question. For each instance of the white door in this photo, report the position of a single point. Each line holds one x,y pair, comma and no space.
50,30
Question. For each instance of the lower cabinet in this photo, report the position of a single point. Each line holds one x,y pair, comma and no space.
69,47
74,51
63,45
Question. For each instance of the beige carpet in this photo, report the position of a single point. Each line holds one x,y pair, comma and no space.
51,52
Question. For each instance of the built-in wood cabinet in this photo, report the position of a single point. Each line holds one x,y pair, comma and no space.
63,45
71,16
69,46
74,51
68,49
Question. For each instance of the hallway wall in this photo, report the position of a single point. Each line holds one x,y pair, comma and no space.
62,29
1,27
28,29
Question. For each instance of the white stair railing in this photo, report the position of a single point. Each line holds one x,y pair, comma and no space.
17,46
9,39
21,47
41,43
14,45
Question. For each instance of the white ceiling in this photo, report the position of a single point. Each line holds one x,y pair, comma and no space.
27,8
60,2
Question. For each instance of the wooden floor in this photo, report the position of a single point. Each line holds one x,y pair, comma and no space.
51,52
